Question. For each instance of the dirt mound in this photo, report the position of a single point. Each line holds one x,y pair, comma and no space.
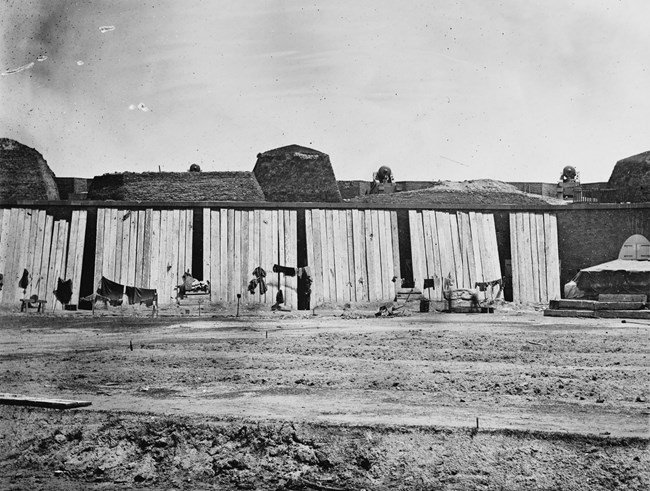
478,192
631,178
91,450
24,173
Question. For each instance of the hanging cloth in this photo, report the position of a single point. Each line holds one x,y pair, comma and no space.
111,290
63,291
285,270
24,280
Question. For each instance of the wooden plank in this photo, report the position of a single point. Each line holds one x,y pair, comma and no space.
342,256
319,271
52,270
23,250
223,253
462,276
447,264
230,251
133,248
257,261
31,250
146,257
181,267
236,272
189,240
45,259
622,297
38,252
416,248
291,251
266,252
244,267
351,276
272,279
124,221
467,247
283,253
72,246
206,248
114,240
154,245
476,228
524,256
430,216
534,258
387,254
429,252
11,275
514,259
395,239
358,238
541,253
376,246
552,257
215,255
78,257
175,233
64,252
331,266
139,250
161,261
21,400
309,242
4,243
337,259
493,247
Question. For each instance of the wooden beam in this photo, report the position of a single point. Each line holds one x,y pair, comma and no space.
215,255
20,400
154,258
146,255
331,266
514,259
396,260
45,260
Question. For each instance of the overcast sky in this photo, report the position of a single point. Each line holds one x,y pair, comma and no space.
453,90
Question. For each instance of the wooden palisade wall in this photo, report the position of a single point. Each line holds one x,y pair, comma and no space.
535,260
353,255
144,248
459,246
48,249
235,242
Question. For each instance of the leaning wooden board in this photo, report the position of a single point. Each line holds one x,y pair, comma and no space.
19,400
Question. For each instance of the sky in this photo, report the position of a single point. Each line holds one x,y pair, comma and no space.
436,90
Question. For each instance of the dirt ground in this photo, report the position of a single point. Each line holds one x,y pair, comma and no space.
340,400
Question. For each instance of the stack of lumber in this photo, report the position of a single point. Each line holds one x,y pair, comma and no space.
48,249
535,259
456,250
235,242
353,255
607,306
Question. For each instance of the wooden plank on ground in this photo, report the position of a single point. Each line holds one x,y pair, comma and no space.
552,258
514,259
622,297
21,400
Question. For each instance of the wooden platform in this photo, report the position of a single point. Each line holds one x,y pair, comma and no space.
20,400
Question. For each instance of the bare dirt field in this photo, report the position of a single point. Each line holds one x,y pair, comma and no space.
340,400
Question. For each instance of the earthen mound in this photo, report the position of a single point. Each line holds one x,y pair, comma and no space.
24,173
